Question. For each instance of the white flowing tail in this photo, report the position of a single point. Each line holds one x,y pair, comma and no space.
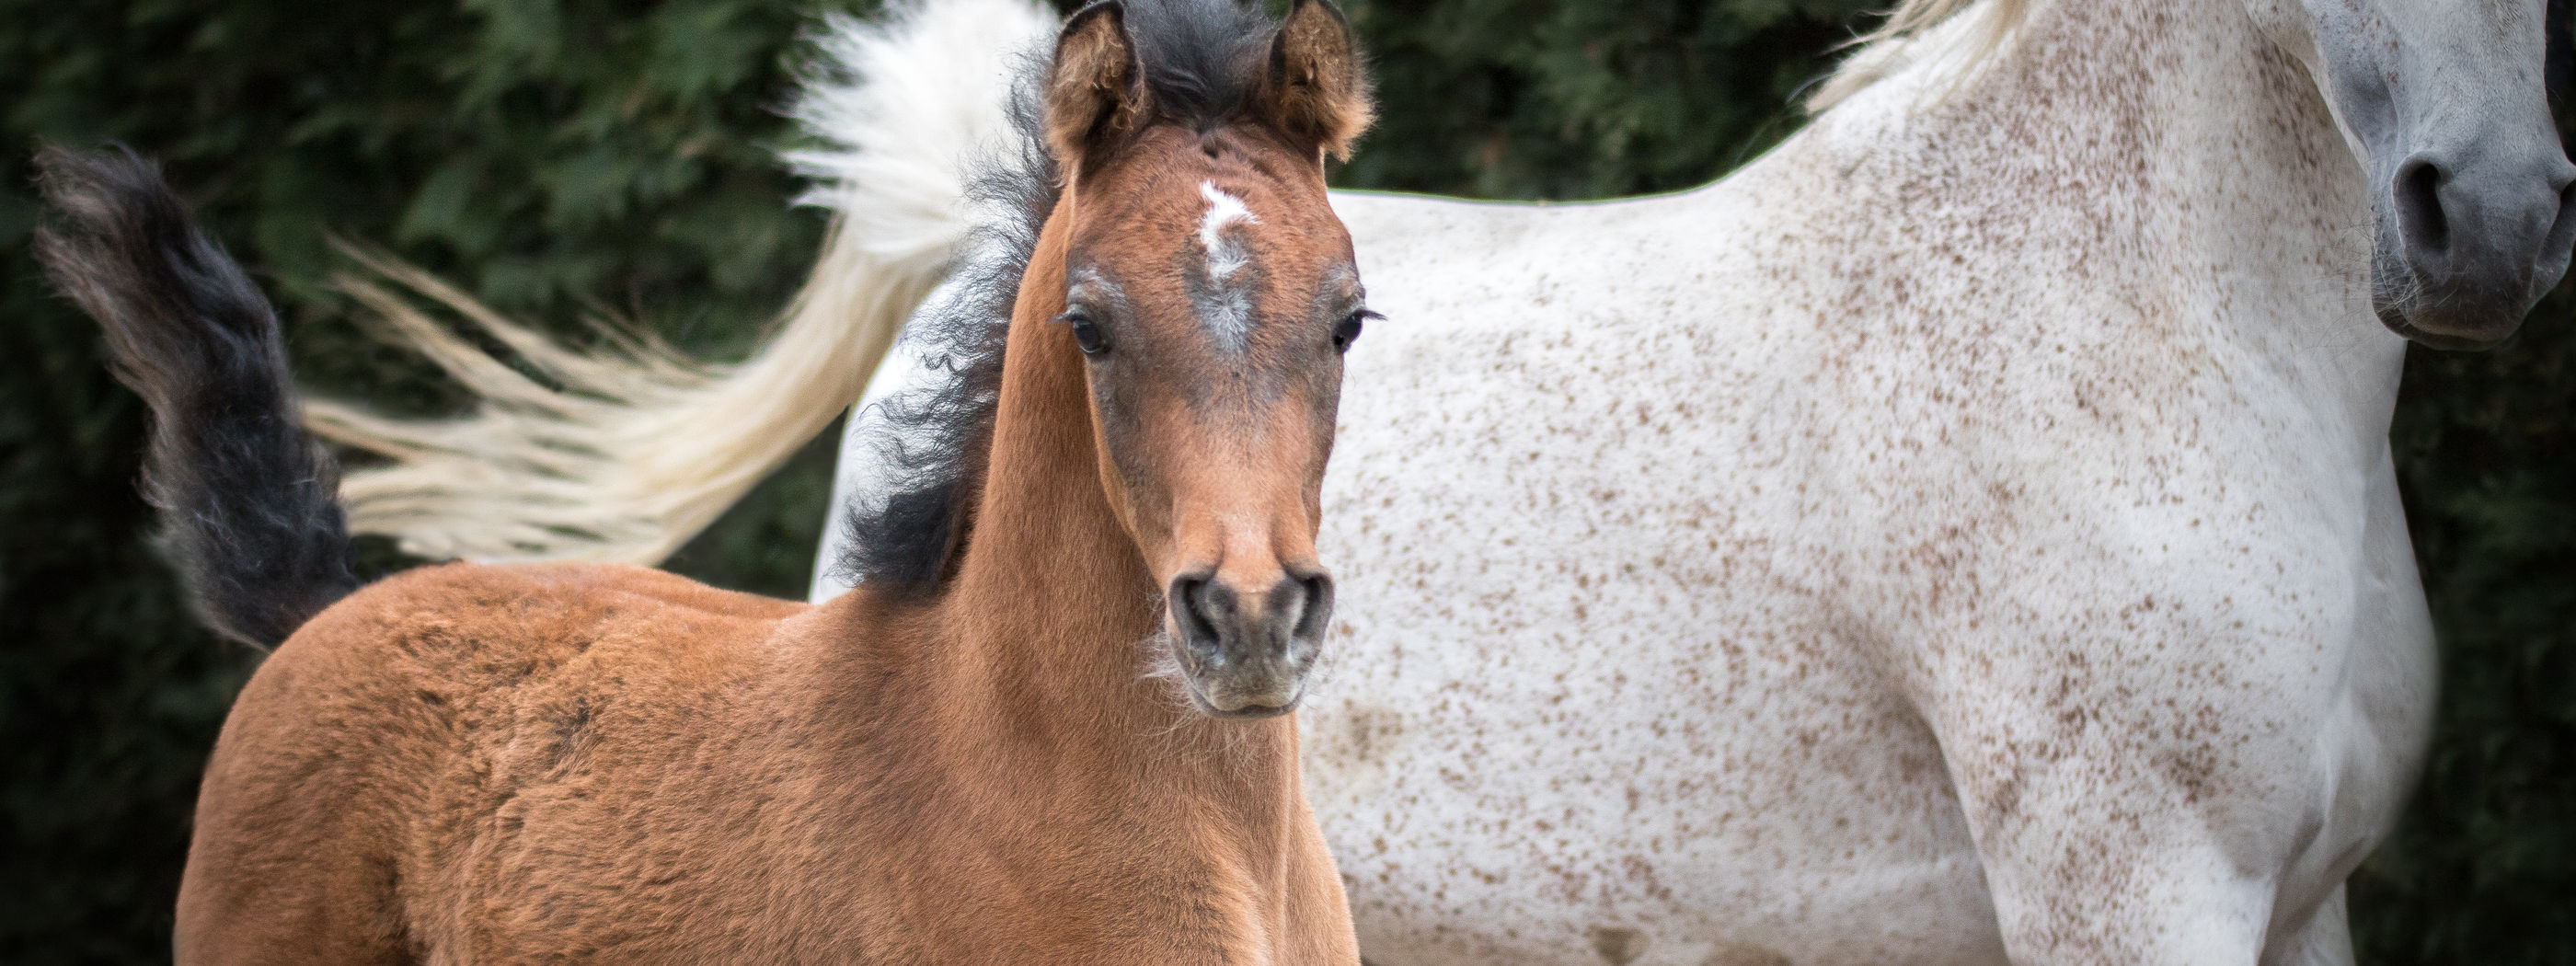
633,448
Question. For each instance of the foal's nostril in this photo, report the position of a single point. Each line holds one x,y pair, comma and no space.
1317,608
2419,206
1197,604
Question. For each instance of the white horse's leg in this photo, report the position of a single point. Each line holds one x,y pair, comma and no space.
2180,764
2162,894
2120,823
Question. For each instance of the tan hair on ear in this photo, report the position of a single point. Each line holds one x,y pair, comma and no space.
1318,89
1095,90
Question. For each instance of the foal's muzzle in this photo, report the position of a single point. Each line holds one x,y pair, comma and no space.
1244,651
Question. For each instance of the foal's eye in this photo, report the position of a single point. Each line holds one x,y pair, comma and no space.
1348,329
1086,333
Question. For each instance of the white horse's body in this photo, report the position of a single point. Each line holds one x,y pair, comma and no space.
1968,530
1934,534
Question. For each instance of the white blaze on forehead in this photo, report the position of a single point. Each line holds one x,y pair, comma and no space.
1224,255
1226,310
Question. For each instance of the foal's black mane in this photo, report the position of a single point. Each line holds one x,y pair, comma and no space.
1203,61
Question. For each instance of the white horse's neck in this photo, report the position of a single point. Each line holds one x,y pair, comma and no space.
2173,160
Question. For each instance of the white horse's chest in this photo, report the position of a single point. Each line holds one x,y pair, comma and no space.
1585,701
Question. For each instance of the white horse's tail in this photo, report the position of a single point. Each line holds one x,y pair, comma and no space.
632,449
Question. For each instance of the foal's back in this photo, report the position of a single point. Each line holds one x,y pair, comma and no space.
497,760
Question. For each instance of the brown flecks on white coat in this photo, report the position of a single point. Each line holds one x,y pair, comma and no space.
1730,530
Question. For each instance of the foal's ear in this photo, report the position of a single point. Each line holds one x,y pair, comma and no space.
1317,89
1095,92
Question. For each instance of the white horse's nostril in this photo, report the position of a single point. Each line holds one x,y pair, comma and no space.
2420,215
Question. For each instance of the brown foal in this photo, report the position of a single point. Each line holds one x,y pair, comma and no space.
1070,742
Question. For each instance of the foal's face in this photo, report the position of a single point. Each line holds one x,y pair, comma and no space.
1212,301
1211,292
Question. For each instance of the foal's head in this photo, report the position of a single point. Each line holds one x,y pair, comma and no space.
1211,292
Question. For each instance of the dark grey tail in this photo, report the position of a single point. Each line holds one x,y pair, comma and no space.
248,502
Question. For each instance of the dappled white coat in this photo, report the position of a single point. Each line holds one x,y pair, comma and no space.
1980,511
1969,527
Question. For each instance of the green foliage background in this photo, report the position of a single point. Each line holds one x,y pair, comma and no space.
560,157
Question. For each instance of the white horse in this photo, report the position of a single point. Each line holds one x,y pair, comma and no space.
1965,535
